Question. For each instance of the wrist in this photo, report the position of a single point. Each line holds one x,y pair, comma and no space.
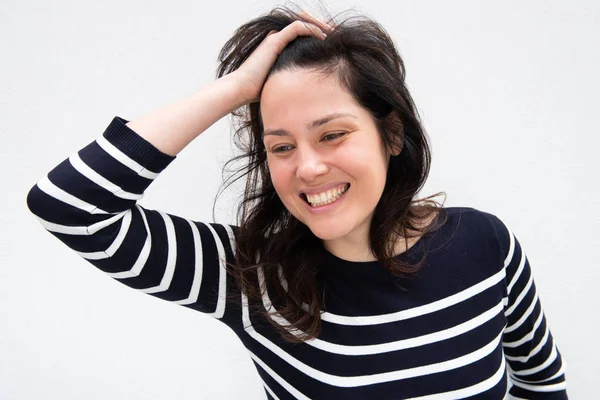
239,92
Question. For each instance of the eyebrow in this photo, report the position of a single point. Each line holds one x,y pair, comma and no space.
311,125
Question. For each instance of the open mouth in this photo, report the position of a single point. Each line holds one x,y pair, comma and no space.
325,198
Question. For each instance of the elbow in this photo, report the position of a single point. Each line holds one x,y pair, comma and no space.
35,199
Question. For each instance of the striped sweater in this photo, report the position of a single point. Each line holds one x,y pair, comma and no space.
468,324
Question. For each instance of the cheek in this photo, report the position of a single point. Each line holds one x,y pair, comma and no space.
281,177
369,169
361,161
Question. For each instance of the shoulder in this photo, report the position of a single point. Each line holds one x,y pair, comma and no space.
466,250
478,230
475,220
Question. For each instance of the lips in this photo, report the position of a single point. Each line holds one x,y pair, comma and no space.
325,194
322,188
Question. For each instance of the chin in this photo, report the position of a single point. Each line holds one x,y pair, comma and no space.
327,232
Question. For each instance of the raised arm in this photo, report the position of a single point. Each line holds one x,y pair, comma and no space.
173,127
90,200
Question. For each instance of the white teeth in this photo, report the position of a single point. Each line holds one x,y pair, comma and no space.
327,197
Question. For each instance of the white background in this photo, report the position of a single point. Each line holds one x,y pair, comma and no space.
508,92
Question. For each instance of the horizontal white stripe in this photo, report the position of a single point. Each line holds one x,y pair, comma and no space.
534,351
112,249
528,336
171,244
542,366
417,341
416,311
542,388
198,267
515,278
222,255
412,342
421,310
511,247
292,390
101,181
172,260
560,372
54,191
220,309
529,381
354,381
139,264
268,389
525,315
471,390
125,159
520,297
81,230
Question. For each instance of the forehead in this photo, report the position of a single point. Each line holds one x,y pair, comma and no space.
294,98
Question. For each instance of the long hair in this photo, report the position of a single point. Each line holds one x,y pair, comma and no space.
275,251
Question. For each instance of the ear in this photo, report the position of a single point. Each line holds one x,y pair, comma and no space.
394,124
396,150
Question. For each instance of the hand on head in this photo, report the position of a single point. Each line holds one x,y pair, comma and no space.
253,72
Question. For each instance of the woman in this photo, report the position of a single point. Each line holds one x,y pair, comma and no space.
338,281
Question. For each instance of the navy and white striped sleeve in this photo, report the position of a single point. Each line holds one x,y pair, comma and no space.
90,202
535,366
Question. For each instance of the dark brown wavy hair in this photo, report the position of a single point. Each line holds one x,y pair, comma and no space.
274,250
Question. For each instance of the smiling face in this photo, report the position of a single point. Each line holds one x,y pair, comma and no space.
323,147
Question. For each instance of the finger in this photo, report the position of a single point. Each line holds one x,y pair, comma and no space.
292,31
322,25
307,29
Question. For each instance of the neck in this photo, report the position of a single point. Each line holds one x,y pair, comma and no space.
348,251
352,247
355,247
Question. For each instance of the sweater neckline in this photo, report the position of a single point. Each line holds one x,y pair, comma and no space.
371,270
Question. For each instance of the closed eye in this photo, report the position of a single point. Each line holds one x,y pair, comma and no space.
332,136
281,149
327,138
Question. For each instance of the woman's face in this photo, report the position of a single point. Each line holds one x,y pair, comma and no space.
325,156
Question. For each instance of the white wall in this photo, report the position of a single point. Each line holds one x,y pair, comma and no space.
509,95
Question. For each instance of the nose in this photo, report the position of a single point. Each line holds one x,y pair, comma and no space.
310,164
